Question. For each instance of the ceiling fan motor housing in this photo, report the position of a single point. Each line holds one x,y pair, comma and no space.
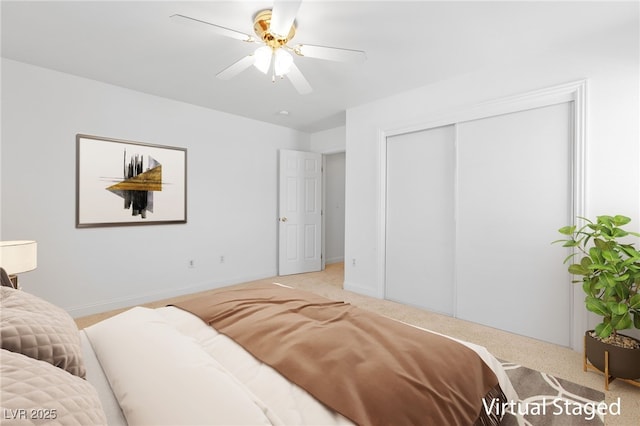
262,28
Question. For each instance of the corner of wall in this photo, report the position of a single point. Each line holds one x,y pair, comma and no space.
329,141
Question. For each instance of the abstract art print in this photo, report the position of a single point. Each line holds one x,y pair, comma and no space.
121,183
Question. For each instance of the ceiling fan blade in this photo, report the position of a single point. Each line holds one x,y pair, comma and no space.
236,68
224,31
299,82
330,53
282,16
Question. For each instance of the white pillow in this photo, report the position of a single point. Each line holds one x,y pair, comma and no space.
163,377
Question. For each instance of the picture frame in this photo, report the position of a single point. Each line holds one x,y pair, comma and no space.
125,183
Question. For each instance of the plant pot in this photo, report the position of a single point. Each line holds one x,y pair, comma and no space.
624,363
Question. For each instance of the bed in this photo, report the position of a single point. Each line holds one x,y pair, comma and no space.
253,355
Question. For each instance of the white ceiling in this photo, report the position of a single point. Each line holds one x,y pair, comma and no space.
408,44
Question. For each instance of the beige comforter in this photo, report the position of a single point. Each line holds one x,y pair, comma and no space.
371,369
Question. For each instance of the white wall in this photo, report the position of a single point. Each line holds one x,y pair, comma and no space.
610,63
334,207
329,141
232,192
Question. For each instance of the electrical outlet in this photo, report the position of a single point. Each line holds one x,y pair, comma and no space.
353,262
192,263
221,259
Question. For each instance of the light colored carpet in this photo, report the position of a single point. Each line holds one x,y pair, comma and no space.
545,357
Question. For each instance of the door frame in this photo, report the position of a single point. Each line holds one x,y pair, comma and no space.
575,92
324,154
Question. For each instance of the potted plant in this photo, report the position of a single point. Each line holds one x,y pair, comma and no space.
609,270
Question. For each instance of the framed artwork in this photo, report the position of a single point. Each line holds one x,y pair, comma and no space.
121,183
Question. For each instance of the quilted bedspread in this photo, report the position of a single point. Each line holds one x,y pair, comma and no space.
40,330
36,392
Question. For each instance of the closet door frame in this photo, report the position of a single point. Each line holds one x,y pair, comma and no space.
575,92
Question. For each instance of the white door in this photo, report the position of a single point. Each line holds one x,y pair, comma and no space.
514,192
499,190
300,212
420,219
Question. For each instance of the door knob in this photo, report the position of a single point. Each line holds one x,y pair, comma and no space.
283,219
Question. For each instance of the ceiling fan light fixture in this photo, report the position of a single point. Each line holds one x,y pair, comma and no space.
275,56
283,62
262,58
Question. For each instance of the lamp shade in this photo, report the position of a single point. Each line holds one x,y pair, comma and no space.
262,58
18,256
283,62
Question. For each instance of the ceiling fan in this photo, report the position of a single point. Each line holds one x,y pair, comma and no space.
274,29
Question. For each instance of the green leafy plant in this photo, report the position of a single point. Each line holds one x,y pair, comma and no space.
610,271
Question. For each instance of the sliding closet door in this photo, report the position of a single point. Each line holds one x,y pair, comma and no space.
420,219
514,193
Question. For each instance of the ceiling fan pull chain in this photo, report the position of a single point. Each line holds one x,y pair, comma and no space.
273,67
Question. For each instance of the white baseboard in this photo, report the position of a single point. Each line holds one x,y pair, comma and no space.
334,260
134,300
362,290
